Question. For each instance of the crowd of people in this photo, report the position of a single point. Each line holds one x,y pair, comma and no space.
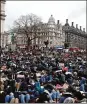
47,77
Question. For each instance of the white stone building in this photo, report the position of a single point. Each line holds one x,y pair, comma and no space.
2,21
5,39
50,31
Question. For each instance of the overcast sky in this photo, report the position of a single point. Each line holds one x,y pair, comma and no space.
75,11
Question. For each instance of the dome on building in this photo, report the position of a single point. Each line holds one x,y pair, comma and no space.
51,20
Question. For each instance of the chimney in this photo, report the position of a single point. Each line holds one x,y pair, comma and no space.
80,27
72,23
77,26
66,21
58,21
84,29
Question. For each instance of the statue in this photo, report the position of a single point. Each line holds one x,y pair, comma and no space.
13,39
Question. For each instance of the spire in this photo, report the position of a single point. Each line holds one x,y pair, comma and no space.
66,24
80,27
72,24
66,21
84,29
77,26
58,21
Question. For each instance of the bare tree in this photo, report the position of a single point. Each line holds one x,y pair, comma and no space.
28,25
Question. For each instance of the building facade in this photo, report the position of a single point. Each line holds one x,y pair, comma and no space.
2,21
74,36
50,31
5,39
